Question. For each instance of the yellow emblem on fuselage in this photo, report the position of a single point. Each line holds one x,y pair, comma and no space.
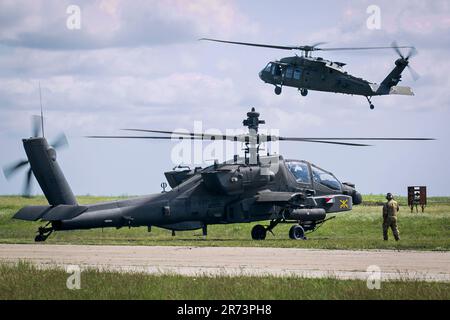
344,204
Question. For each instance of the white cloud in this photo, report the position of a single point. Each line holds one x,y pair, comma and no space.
118,23
113,100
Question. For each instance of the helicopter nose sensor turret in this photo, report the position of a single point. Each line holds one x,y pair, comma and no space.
262,75
349,189
356,197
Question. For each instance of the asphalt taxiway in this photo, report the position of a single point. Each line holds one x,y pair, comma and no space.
211,261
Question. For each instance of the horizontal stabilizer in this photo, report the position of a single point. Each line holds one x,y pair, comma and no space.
405,91
49,213
63,212
32,213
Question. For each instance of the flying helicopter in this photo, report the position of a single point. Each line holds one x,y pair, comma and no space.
251,188
306,72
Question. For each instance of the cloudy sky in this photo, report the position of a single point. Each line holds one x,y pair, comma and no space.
138,64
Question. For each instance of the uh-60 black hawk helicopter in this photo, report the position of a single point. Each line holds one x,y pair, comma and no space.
244,189
315,73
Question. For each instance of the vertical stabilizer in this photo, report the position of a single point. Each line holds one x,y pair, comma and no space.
42,158
394,77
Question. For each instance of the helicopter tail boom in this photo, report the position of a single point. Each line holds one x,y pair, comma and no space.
392,79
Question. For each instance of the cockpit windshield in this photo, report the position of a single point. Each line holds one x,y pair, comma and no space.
300,170
324,178
276,70
268,67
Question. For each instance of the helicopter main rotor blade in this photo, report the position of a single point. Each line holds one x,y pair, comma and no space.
275,138
324,141
167,132
363,48
371,139
259,138
207,137
253,44
10,170
127,137
318,44
305,48
245,138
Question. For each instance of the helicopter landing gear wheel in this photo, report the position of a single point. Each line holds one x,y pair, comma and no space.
277,90
297,232
43,234
40,238
304,92
259,232
371,106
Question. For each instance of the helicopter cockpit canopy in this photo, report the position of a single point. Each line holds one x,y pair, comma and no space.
306,173
325,178
273,68
300,170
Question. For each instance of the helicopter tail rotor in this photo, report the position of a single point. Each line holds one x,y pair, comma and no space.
10,170
405,60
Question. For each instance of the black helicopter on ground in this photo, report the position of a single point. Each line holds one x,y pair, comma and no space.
315,73
244,189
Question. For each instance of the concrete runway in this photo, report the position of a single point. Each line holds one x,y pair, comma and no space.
210,261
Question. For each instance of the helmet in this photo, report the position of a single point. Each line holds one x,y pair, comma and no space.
389,196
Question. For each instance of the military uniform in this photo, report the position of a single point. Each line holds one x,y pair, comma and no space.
390,210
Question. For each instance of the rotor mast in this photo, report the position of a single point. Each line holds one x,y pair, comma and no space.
252,142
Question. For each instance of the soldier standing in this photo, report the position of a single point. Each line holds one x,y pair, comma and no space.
390,210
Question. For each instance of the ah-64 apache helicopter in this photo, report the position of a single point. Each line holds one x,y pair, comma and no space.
245,189
315,73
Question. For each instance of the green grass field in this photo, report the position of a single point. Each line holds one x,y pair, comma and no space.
358,229
23,281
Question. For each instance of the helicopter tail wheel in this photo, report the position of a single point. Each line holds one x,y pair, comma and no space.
304,92
43,234
297,232
277,90
259,232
